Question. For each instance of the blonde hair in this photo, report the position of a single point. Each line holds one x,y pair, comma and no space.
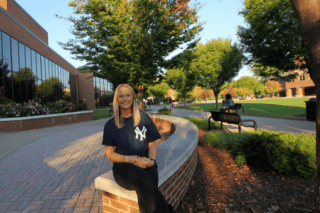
118,119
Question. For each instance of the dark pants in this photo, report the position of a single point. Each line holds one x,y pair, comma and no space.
145,183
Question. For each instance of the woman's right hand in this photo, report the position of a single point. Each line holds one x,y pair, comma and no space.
136,160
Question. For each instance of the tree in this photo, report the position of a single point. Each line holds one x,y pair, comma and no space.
216,63
159,90
197,92
251,83
205,93
272,38
129,41
182,77
46,88
242,91
309,19
183,80
179,96
306,14
229,90
273,86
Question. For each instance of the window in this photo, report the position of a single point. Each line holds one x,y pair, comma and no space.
6,50
28,58
34,63
63,77
68,79
54,73
43,68
59,74
47,68
0,46
15,55
22,58
302,78
38,66
50,70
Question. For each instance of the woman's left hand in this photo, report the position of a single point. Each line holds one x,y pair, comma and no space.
147,162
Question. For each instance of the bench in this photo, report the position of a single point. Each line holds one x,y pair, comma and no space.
232,118
236,107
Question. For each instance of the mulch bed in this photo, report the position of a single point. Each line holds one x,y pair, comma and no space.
219,185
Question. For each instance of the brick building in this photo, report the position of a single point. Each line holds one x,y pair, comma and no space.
35,71
301,86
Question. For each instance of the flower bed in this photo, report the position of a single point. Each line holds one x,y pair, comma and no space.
27,116
34,108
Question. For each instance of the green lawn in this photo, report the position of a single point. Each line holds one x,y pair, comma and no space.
101,113
289,108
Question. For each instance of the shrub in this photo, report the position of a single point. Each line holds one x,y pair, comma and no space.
284,153
203,124
106,99
4,100
164,109
224,140
156,101
283,93
54,107
80,106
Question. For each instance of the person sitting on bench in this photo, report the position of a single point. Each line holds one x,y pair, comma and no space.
227,104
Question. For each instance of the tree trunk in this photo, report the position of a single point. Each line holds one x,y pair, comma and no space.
216,93
140,93
184,96
308,13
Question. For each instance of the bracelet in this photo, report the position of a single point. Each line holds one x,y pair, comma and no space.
155,162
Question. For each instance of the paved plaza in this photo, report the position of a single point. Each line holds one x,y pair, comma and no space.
55,173
53,169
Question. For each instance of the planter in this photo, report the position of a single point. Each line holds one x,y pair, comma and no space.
41,121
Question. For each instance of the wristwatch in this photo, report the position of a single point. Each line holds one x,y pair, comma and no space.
155,162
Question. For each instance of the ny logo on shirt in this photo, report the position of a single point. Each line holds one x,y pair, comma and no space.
141,133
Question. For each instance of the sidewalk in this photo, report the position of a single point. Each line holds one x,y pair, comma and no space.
53,169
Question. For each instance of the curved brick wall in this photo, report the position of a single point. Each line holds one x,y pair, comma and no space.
177,160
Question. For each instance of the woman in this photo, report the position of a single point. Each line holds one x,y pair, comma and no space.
129,138
227,104
149,103
170,102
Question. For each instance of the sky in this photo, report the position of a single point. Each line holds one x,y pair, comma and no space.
221,17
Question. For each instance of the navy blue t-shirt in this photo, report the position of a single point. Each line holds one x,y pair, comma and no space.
130,140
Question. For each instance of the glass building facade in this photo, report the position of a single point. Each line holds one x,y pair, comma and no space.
102,87
31,76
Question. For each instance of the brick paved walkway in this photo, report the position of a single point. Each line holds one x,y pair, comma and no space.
55,173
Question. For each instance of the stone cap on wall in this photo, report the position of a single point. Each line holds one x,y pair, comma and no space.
171,155
44,116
